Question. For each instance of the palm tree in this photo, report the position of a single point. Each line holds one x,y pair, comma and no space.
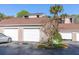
51,30
55,10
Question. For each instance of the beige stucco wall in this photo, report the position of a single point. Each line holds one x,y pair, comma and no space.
33,16
20,34
1,30
67,20
74,36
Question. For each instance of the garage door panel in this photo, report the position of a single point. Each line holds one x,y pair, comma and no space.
31,35
13,33
77,36
66,35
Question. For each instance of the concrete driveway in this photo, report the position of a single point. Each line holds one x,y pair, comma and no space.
27,49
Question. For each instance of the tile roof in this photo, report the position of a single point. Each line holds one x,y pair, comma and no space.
69,26
34,21
23,21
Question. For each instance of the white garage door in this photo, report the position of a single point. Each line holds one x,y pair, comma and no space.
77,36
32,35
13,33
66,35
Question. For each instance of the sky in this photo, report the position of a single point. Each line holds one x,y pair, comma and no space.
12,9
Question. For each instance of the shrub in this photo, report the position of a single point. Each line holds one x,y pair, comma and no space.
55,41
41,46
44,46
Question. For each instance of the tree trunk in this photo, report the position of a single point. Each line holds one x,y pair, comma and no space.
56,21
